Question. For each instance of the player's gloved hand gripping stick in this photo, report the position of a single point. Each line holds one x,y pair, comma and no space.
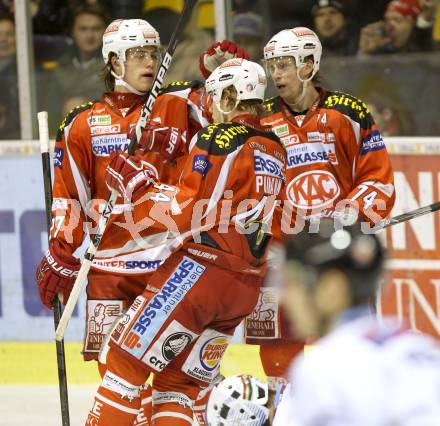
102,223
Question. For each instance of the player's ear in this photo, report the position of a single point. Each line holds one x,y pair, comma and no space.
307,69
115,64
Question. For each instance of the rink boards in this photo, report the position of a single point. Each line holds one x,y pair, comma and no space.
413,289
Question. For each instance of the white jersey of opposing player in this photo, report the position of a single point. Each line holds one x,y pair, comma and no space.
363,374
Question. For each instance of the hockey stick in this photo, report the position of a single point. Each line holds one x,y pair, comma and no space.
102,223
406,216
61,359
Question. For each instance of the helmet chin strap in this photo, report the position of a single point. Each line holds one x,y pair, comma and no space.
119,81
304,83
227,112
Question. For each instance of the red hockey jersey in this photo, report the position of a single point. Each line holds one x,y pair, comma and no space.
335,152
86,139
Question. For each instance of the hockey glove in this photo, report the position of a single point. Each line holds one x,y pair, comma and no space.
163,139
126,174
56,273
218,53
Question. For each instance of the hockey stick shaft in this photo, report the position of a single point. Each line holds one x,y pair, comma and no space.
404,217
102,223
47,178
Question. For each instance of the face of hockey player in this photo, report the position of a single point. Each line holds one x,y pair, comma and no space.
312,310
140,67
283,73
87,32
398,28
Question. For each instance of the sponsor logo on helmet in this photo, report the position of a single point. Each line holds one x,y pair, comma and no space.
225,77
212,352
250,87
314,189
175,344
303,32
149,34
113,27
231,63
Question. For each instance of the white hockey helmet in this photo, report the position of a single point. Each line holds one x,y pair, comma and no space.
238,400
248,78
299,42
123,34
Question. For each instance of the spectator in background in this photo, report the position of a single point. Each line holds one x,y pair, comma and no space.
193,41
335,30
407,27
9,111
247,29
78,70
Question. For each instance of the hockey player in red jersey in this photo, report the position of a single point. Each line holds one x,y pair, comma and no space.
337,164
180,326
85,141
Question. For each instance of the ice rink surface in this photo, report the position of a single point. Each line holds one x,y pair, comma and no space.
28,381
38,405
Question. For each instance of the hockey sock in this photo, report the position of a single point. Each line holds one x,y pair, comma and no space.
117,400
173,399
145,412
110,407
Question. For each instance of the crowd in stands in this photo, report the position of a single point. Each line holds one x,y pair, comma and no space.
67,36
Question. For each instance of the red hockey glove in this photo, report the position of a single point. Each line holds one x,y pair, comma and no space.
127,174
163,139
56,273
218,53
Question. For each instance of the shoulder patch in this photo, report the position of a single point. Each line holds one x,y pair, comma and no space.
349,105
175,86
71,115
271,106
223,138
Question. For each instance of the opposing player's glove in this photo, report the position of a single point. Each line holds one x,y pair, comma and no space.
163,139
56,273
218,53
127,174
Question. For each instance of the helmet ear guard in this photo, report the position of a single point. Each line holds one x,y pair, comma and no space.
248,78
